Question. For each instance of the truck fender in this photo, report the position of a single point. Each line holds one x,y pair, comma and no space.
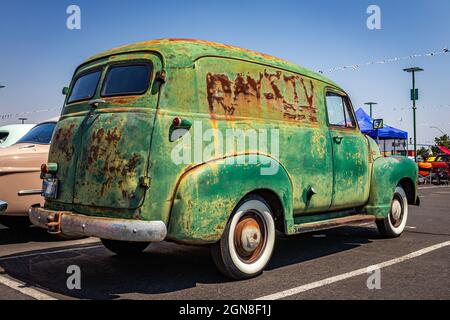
208,193
387,174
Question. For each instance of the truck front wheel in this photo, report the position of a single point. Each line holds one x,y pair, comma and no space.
393,225
125,248
248,240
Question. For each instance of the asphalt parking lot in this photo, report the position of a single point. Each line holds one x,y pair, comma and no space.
323,265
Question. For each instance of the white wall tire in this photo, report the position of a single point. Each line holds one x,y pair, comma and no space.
393,225
248,240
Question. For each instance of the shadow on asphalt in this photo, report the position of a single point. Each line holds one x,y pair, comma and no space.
31,234
165,267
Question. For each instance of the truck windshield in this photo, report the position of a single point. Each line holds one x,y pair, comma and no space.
85,86
40,134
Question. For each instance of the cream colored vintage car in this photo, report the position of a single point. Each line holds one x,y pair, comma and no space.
20,166
10,134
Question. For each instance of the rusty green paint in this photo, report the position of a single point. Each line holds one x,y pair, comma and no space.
387,174
182,53
217,186
104,154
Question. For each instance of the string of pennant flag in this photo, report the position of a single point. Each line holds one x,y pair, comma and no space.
389,60
9,116
422,107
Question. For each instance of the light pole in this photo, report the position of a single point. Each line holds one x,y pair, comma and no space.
434,127
414,97
370,104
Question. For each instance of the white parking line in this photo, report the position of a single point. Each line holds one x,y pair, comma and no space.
33,293
48,252
16,285
432,187
324,282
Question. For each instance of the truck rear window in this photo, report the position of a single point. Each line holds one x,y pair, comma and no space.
127,80
85,86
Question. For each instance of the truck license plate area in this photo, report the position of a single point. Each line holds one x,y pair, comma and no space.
50,188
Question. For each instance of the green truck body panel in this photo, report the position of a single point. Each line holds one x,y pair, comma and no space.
218,187
117,160
387,174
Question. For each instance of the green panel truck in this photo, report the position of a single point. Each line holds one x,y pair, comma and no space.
202,143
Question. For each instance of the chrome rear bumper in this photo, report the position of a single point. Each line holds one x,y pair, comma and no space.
72,224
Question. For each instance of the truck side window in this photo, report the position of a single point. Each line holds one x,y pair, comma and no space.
339,111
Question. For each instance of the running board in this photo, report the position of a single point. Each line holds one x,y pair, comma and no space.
333,223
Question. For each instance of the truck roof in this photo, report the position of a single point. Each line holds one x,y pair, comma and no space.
184,52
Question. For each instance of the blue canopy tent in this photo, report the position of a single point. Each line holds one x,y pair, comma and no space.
387,132
393,140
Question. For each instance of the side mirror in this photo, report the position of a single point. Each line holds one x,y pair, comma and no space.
65,91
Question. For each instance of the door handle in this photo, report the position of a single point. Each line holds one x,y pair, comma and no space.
338,139
96,102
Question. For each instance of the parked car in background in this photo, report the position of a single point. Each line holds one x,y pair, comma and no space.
10,134
3,206
436,168
20,166
441,168
442,161
418,159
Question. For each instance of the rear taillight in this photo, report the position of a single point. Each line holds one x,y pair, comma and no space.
49,168
44,168
177,122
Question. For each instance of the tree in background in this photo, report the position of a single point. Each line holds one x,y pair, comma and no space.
424,153
443,141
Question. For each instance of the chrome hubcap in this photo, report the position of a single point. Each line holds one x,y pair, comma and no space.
396,210
396,215
249,238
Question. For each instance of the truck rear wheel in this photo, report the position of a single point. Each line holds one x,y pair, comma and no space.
393,225
248,240
125,248
15,223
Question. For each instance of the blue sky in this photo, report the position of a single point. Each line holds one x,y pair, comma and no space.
38,53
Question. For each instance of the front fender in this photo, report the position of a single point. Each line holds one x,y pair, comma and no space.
208,193
387,174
